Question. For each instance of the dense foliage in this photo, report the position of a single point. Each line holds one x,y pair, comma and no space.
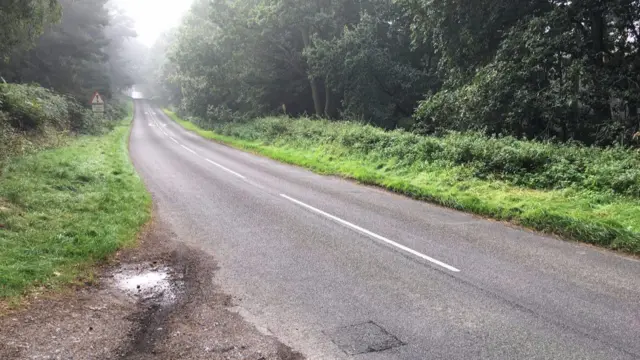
80,54
534,165
56,54
23,21
32,117
544,69
331,58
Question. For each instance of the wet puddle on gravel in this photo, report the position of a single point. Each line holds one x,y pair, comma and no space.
148,283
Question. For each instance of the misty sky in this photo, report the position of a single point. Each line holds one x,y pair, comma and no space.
154,16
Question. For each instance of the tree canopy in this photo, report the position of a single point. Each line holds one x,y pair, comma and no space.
73,47
23,21
564,69
256,57
547,69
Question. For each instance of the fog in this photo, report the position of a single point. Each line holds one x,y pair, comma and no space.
153,17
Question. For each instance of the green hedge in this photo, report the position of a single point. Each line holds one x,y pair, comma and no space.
33,108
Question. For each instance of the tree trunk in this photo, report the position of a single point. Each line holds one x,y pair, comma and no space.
633,121
597,35
602,106
315,93
328,112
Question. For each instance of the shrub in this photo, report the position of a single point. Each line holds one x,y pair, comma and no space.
7,137
526,163
32,117
32,108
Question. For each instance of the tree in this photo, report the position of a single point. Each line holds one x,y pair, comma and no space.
363,69
467,34
79,55
552,69
255,57
563,70
123,52
23,21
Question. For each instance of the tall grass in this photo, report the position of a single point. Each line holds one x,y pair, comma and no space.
581,193
63,210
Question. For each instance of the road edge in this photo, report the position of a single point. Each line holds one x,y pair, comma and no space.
561,233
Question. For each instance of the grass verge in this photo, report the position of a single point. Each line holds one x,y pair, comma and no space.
64,210
596,216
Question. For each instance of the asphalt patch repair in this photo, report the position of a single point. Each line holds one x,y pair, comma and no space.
157,301
363,338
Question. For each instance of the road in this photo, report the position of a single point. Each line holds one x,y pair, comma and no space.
338,270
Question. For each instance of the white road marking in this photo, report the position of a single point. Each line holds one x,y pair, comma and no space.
189,150
226,169
161,126
371,234
318,211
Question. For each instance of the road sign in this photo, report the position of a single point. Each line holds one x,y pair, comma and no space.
97,103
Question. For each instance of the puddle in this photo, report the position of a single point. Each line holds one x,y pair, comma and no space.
148,283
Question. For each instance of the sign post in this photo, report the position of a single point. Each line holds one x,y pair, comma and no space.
97,104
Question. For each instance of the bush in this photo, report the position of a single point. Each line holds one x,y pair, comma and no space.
116,110
531,164
7,137
33,117
83,121
33,108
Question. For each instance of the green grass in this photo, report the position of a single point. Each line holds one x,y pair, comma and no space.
64,210
574,200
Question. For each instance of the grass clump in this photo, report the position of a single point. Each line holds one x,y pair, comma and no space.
63,210
580,193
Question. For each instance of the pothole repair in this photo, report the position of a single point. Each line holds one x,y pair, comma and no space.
363,338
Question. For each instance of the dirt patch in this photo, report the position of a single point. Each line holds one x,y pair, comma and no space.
155,302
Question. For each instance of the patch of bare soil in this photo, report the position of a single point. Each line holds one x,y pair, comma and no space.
155,302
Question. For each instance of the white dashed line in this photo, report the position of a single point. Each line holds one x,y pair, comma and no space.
372,234
161,126
226,169
189,150
315,210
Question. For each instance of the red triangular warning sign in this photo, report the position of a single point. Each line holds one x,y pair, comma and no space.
97,99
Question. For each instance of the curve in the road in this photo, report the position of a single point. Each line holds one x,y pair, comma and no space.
296,251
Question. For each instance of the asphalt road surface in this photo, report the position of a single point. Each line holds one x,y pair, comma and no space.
340,270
